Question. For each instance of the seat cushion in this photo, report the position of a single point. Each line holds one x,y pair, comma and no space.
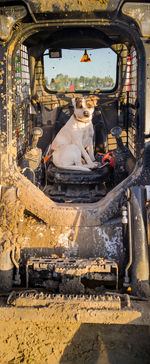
60,175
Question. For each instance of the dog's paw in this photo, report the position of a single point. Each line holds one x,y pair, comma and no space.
94,165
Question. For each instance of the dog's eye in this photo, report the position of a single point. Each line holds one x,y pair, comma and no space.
78,104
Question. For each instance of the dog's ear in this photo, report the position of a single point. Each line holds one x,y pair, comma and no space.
95,100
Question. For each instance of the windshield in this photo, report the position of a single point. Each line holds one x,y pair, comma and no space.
69,73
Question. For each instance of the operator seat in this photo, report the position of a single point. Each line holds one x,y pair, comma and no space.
78,186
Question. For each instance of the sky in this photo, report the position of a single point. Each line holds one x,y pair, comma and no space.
103,63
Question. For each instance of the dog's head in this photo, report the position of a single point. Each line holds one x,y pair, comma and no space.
83,108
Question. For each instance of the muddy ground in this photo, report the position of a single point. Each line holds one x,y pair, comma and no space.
72,343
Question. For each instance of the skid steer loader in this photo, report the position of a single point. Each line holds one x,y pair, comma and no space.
75,244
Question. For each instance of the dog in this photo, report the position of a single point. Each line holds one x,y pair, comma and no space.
75,140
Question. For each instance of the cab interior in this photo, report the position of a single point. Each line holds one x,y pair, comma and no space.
42,104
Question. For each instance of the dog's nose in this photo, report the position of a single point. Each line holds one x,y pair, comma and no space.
86,113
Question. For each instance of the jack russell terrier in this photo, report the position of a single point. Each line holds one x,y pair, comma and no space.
75,139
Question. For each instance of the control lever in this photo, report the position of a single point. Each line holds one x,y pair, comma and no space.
116,132
37,133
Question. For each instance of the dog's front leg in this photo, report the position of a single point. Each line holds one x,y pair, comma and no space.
87,158
90,150
84,154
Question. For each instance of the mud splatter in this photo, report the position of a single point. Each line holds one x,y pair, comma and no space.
67,5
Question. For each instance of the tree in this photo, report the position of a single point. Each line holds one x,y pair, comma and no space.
63,82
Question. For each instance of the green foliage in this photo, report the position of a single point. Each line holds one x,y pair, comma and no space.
66,83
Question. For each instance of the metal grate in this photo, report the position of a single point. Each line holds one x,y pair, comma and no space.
132,98
128,94
21,123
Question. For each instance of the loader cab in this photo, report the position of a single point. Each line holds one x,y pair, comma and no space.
50,54
88,62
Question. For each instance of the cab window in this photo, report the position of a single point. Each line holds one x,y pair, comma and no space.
80,69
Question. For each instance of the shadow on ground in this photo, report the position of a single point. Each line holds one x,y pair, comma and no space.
104,344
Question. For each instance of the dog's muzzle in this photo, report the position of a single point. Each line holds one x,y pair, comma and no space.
82,120
86,113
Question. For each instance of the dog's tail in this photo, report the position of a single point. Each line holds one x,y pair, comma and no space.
76,168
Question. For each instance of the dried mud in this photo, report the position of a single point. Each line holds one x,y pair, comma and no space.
65,5
65,343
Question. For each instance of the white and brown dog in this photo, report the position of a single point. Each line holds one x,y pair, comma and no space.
75,139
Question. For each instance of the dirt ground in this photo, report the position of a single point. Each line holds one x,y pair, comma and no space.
66,343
